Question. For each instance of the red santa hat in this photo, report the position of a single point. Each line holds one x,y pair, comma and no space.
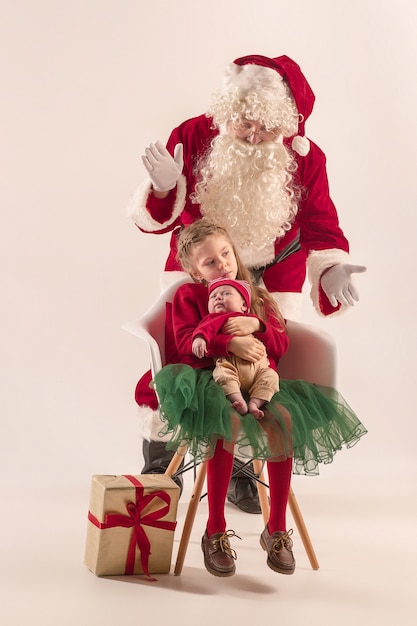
300,89
242,287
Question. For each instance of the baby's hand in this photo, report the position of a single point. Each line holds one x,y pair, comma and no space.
199,347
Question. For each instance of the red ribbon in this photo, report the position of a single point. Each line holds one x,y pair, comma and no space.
135,520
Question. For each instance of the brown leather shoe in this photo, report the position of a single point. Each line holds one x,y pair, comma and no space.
219,557
279,548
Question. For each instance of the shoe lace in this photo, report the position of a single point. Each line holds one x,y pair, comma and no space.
283,541
223,543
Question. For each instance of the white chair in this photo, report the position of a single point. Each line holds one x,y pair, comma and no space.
311,356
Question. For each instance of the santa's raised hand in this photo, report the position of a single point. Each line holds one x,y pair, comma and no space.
163,169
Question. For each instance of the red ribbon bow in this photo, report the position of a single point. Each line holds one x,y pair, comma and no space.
135,520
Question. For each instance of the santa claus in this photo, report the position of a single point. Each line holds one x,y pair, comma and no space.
247,165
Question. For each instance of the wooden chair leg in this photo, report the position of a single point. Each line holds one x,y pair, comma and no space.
302,529
189,518
262,490
176,461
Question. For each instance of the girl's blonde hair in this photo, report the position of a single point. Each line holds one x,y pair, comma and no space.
262,304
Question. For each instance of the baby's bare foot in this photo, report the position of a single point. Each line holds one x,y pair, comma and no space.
240,407
254,408
238,403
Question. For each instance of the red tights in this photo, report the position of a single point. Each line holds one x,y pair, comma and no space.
219,471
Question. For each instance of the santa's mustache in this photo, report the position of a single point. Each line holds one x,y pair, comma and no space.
257,157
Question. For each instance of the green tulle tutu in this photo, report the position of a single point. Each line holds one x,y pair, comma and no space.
305,421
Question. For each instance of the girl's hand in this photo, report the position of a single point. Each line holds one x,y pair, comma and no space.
199,347
241,326
248,348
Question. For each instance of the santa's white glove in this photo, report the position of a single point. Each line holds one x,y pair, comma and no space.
338,286
163,170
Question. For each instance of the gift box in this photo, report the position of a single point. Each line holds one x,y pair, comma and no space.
131,523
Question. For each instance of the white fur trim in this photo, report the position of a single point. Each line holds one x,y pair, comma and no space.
257,78
137,204
318,261
151,424
301,145
138,212
289,304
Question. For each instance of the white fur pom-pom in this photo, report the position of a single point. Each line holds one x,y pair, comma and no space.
301,145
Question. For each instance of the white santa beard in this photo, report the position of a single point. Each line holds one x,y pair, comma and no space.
247,189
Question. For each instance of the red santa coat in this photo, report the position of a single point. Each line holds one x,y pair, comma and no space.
323,243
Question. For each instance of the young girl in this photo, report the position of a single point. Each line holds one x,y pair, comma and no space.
197,412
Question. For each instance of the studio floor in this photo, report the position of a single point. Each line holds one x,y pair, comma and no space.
364,535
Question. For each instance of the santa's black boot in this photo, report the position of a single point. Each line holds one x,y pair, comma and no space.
157,458
242,491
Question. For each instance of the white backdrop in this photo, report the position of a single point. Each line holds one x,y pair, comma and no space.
85,86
